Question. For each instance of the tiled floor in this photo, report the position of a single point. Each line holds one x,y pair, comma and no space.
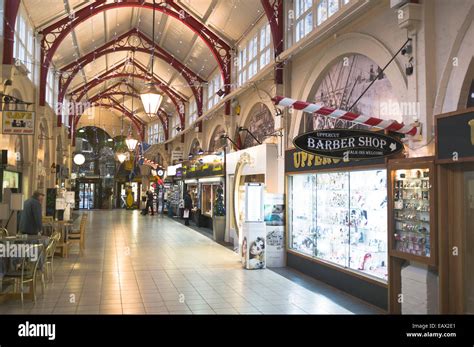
137,264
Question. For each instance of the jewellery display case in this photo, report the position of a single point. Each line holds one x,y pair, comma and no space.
341,218
412,221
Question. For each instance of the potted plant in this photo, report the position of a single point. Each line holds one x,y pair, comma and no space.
218,217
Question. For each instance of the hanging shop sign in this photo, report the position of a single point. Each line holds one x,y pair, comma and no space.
455,137
348,144
300,161
18,122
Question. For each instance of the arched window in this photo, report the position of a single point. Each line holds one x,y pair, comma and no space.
260,123
195,147
216,142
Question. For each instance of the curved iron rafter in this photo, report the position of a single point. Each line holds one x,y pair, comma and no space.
274,12
53,35
116,73
116,106
112,91
162,115
134,41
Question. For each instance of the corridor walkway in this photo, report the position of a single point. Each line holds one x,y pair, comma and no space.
137,264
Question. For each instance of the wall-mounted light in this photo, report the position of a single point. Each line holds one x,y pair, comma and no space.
409,67
226,137
408,49
220,92
240,129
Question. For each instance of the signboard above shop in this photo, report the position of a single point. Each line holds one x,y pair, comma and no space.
18,123
177,155
348,144
205,166
455,136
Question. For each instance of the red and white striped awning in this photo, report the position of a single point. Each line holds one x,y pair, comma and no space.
390,125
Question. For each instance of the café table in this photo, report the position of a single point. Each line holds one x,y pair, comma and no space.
6,262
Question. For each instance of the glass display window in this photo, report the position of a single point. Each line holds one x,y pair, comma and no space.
368,222
411,190
341,218
302,216
207,199
332,211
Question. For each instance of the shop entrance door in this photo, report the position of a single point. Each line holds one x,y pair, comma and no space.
457,235
87,196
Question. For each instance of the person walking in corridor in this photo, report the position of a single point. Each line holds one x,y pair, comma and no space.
30,218
188,206
149,202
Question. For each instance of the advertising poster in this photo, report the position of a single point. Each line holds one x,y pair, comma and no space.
275,229
253,247
18,122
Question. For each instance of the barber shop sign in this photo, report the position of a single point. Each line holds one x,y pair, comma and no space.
348,144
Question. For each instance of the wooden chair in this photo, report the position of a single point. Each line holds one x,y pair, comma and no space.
48,265
79,236
27,271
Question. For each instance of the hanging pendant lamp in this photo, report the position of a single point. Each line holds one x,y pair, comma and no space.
150,96
121,151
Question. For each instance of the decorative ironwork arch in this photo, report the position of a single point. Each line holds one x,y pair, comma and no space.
141,74
132,40
54,34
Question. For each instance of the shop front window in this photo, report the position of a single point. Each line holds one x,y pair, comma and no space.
341,218
208,197
206,191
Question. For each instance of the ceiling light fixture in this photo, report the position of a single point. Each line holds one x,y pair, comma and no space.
151,98
131,143
79,159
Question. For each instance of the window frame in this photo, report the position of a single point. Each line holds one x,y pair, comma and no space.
299,16
252,54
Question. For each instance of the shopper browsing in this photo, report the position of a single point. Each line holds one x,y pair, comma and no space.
188,206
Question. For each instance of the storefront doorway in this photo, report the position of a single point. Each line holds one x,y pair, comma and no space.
88,195
457,257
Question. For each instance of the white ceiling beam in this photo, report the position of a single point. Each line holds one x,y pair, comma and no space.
194,39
